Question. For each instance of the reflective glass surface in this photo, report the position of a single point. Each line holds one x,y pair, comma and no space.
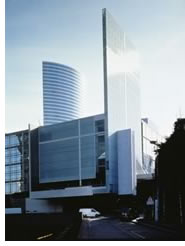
99,125
16,161
87,126
59,161
122,104
88,162
58,131
61,87
13,187
100,145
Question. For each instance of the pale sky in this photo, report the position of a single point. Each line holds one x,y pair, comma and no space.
70,32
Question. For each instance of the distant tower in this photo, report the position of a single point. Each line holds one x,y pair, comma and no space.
61,93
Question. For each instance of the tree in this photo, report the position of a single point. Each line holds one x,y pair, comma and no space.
170,175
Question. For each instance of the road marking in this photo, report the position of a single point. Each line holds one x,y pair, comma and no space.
137,234
45,236
131,233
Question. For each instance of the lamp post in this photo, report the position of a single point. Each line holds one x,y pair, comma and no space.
156,201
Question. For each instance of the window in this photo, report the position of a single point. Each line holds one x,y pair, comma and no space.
7,177
14,140
15,187
99,124
7,152
59,131
7,188
86,126
7,169
15,151
100,145
16,159
7,160
7,141
15,172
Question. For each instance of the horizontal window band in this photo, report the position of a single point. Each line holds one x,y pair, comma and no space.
59,66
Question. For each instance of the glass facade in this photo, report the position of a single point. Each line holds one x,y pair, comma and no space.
61,93
59,160
16,162
73,151
149,134
122,95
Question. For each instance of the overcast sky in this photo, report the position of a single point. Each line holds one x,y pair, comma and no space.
70,32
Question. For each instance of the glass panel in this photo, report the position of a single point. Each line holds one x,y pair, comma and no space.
7,177
13,187
122,103
18,175
7,188
88,163
16,159
59,131
18,186
87,126
7,160
15,151
18,168
7,141
7,152
14,140
13,168
59,161
13,176
100,145
99,126
7,169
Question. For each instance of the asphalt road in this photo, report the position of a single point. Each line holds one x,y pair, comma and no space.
110,228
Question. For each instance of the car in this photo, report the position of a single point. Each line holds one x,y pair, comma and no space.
128,214
124,214
89,212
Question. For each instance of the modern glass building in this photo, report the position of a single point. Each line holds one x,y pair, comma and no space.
85,157
16,162
70,154
61,93
121,101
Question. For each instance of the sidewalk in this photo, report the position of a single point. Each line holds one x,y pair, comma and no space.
84,230
175,229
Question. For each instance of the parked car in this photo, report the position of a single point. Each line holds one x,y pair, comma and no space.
124,214
128,214
89,212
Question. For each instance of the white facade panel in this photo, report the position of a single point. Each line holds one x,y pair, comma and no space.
68,192
126,163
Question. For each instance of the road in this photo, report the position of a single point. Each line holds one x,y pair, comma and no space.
110,228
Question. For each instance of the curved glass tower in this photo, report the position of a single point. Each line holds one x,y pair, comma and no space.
61,93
